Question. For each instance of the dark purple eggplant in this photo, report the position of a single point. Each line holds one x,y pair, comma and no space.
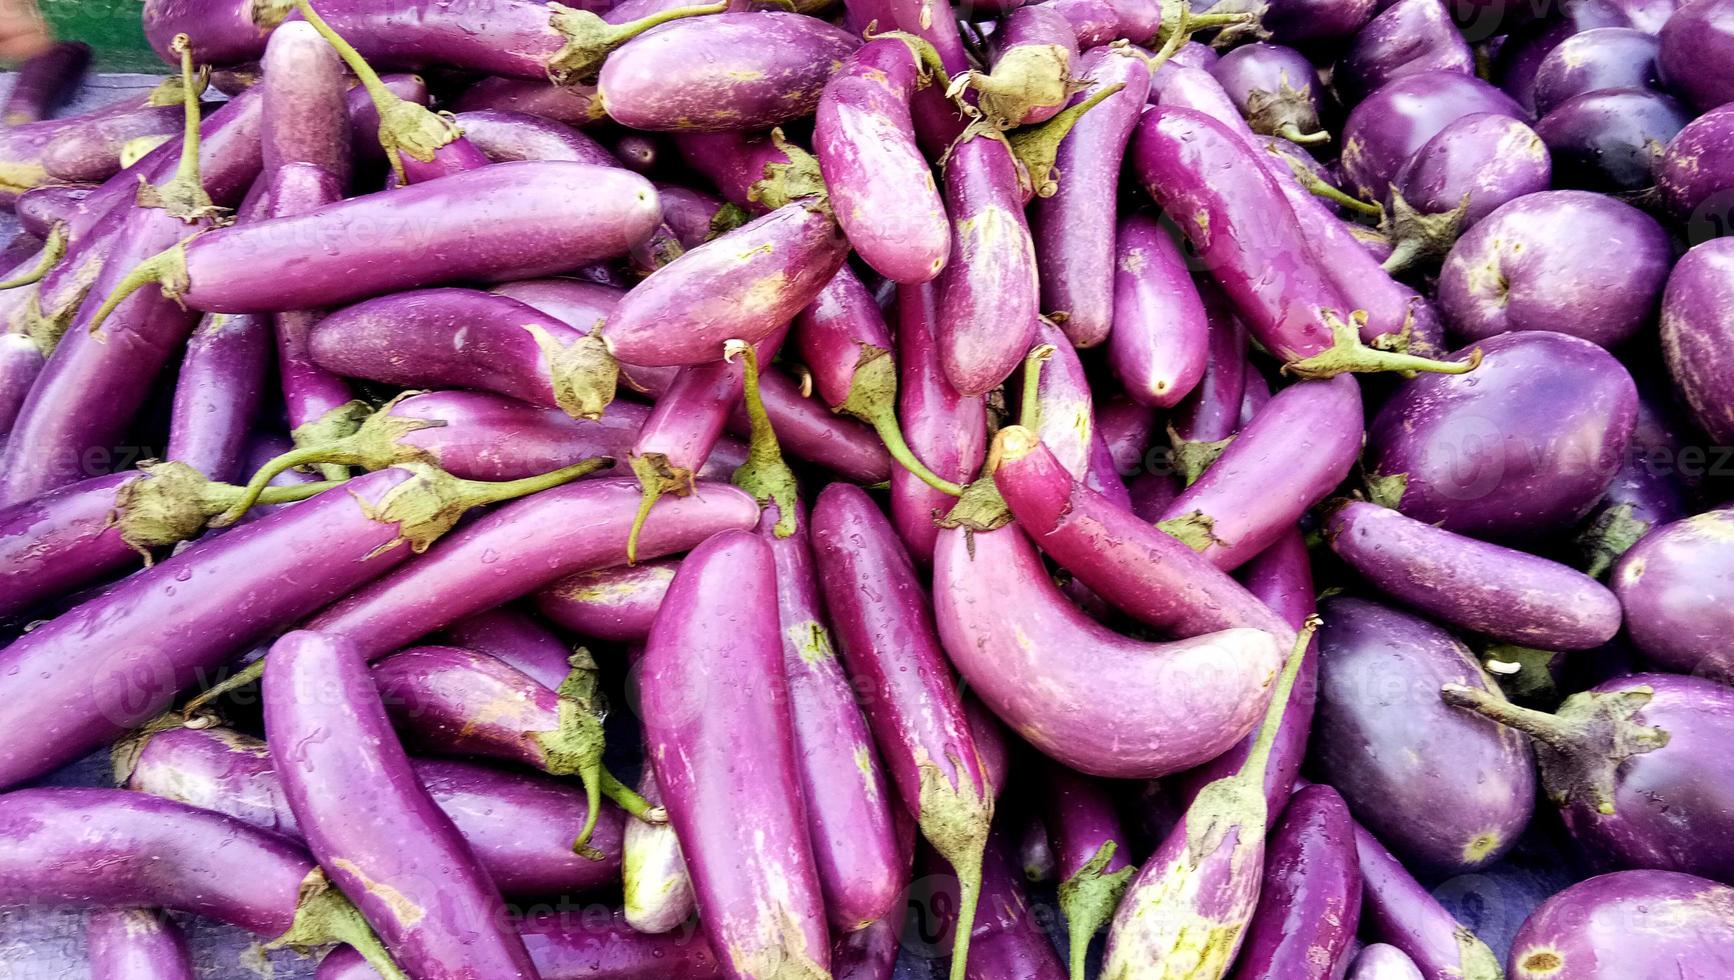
1698,51
1310,902
1611,139
1406,38
1447,791
1605,57
1630,925
616,604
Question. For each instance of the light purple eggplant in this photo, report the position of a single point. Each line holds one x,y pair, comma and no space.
1528,448
579,946
1005,625
99,669
756,173
849,817
318,403
1673,586
1250,241
306,104
576,104
1636,767
502,135
1600,58
452,701
136,944
1397,909
1382,961
992,742
718,741
529,854
1276,88
1062,405
916,715
881,187
988,291
1697,49
336,256
656,889
1310,900
92,152
1030,69
44,81
944,429
938,121
1135,567
109,848
82,533
1090,851
1500,592
517,639
1696,320
1448,791
1291,456
1628,924
357,800
725,72
218,391
1695,184
1400,117
810,432
1187,910
1473,166
1127,429
1406,38
1074,229
41,208
1202,423
615,604
1611,139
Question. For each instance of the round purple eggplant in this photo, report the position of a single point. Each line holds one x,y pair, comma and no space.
1276,88
1630,925
1388,126
1406,38
1528,447
1519,56
1471,168
1697,53
1605,57
1381,961
1638,767
1677,589
1310,902
1611,139
1447,791
1501,592
1695,178
1697,329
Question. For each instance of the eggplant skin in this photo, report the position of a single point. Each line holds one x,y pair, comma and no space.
1630,925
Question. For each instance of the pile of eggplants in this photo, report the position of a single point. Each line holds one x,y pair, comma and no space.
867,489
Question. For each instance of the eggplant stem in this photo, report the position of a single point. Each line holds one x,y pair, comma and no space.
323,915
166,268
53,250
765,474
968,897
234,682
268,471
628,799
1030,411
1315,185
479,493
1258,757
590,39
1348,354
1543,727
892,436
1037,147
1292,133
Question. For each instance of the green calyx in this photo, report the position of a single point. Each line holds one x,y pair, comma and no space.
656,476
1525,673
928,64
1419,239
1195,529
171,502
1347,354
1027,79
1609,537
1387,491
1191,457
584,373
1315,185
337,423
590,39
765,474
324,916
167,269
374,445
1179,23
1088,900
1036,147
575,746
955,819
798,179
1580,748
1287,112
429,503
183,195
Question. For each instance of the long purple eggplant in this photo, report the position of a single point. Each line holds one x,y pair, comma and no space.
96,671
883,626
1074,229
720,744
1382,961
93,152
1628,924
306,104
881,186
1160,339
1090,855
1673,586
1696,326
357,800
1009,938
1310,901
1500,592
319,404
136,944
1204,421
1635,766
218,391
531,854
575,104
1186,912
615,604
1246,499
516,639
1448,791
504,135
727,72
335,254
108,848
44,81
1138,569
945,430
1526,446
81,533
1397,909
